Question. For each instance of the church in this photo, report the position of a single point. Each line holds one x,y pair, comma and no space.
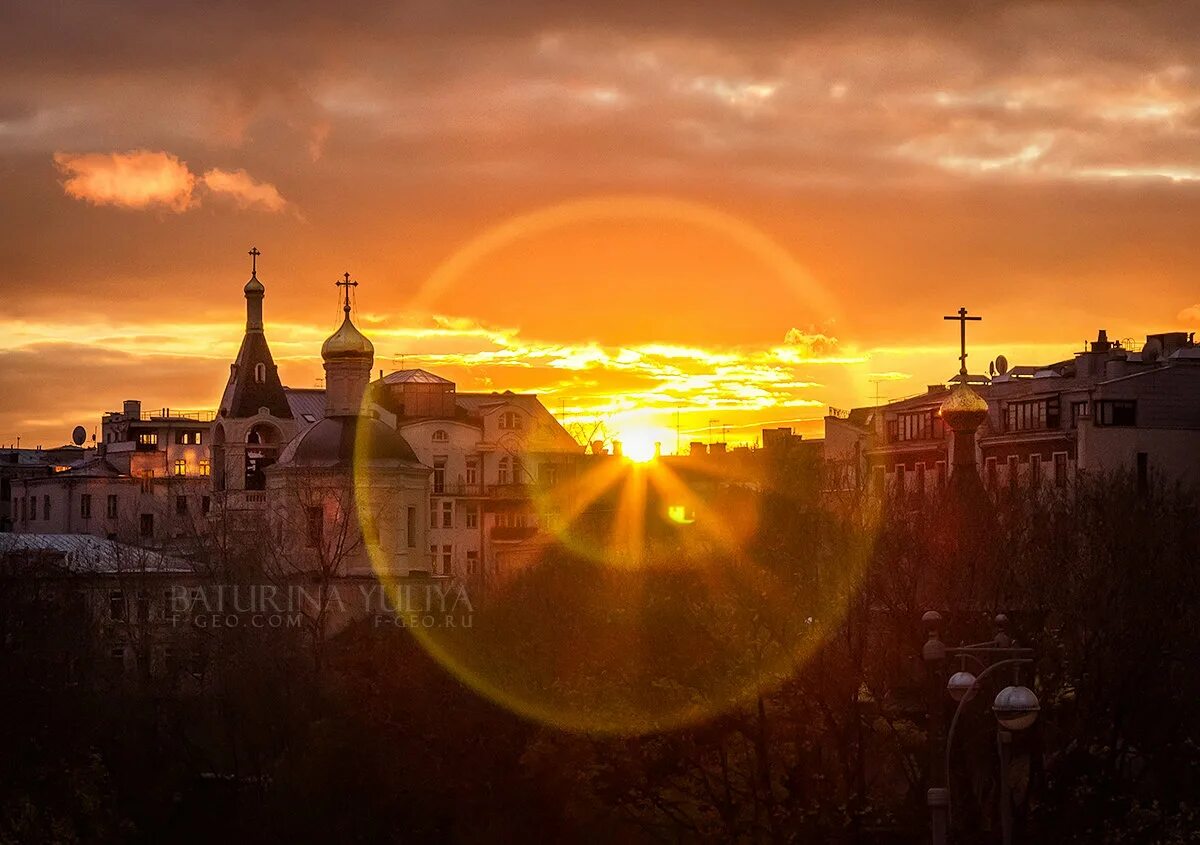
401,476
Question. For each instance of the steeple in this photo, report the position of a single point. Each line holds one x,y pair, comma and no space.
348,357
253,377
963,411
255,291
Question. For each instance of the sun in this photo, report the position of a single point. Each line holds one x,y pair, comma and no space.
641,444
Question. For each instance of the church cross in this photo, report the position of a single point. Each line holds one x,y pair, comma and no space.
962,319
345,282
254,254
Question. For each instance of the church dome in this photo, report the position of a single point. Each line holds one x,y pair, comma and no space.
332,442
254,286
347,342
963,409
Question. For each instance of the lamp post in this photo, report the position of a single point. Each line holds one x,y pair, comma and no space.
1015,708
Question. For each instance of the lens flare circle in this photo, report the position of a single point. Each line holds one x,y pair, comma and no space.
653,594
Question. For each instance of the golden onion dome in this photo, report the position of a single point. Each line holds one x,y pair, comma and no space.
963,409
347,342
254,286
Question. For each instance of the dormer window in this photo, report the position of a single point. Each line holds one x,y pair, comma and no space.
440,436
260,373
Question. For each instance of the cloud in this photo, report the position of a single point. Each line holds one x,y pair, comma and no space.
142,179
244,189
812,344
138,179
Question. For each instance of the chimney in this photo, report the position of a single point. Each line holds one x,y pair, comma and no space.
716,449
696,448
597,447
618,449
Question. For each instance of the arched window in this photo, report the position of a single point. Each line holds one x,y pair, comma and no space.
260,372
440,436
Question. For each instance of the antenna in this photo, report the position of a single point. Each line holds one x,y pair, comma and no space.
877,382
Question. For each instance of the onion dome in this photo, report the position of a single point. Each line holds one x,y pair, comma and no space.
254,286
963,409
347,342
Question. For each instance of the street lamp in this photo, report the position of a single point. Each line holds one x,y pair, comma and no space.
1015,707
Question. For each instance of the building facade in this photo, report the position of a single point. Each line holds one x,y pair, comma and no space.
1109,409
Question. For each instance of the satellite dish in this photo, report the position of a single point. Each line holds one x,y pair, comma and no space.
1152,351
1001,364
78,435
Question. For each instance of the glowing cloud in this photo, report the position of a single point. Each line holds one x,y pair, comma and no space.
137,179
244,189
142,179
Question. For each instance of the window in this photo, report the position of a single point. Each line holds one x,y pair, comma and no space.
1032,415
181,506
1078,409
472,516
1116,412
1060,469
45,507
24,512
146,525
33,508
447,561
205,468
1013,463
439,475
447,514
410,527
920,477
147,438
189,438
440,436
548,474
142,606
433,514
181,467
260,373
205,505
916,425
116,605
472,470
85,506
116,658
472,562
1035,471
110,509
315,526
510,420
504,471
900,479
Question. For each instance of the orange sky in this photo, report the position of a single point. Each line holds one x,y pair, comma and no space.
746,215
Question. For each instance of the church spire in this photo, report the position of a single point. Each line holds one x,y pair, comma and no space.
253,378
963,411
255,291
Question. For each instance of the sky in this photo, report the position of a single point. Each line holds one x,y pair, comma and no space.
740,214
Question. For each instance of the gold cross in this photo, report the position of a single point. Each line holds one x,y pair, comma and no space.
254,254
345,282
962,319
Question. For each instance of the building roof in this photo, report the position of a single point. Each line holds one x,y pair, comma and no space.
307,403
332,443
415,375
475,403
85,554
244,395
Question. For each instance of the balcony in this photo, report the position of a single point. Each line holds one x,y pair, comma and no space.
510,491
513,533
